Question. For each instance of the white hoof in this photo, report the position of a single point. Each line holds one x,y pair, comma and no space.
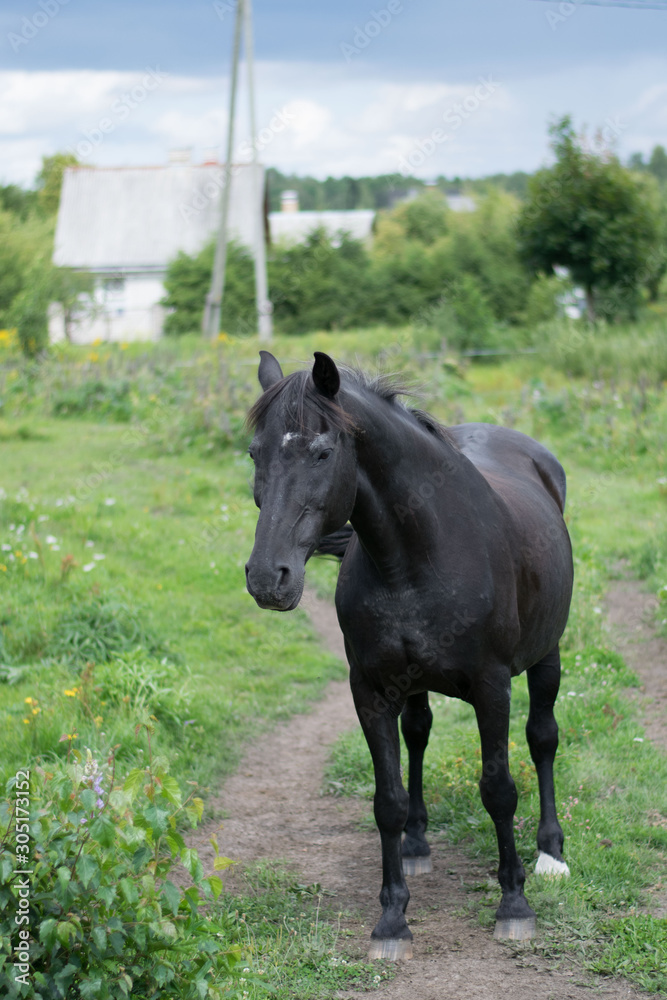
546,865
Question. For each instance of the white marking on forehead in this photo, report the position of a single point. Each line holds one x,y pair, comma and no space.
290,436
317,442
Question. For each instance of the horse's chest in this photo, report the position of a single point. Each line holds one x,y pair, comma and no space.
406,627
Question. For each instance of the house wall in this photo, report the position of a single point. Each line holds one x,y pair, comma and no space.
125,307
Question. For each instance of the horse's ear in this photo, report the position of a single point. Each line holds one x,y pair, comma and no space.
325,375
269,370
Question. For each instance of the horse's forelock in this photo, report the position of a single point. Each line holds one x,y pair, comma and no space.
297,395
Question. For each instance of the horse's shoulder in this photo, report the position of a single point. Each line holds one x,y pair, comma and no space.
503,450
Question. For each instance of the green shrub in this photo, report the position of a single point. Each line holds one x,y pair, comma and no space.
107,915
104,398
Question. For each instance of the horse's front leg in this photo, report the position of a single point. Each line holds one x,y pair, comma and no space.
391,938
416,720
514,917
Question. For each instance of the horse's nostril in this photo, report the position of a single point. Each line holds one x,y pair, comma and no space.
284,575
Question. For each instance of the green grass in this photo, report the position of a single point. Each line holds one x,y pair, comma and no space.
171,582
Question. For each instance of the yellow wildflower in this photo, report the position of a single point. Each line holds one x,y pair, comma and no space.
36,711
71,692
3,568
30,700
223,338
27,722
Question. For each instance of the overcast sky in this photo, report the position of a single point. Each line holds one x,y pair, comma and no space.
465,87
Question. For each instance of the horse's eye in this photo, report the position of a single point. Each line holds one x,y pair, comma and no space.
325,454
252,454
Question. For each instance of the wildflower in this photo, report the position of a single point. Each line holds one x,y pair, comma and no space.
29,700
51,539
27,722
98,556
3,568
88,566
109,502
71,692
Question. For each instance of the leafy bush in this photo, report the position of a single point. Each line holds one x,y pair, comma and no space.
107,915
187,284
102,397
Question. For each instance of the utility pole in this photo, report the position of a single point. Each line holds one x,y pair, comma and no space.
213,307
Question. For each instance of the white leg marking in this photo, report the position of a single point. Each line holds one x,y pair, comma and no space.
546,865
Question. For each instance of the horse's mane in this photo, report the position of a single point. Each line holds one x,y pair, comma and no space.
297,393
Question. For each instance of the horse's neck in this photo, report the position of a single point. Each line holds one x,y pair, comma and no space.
406,479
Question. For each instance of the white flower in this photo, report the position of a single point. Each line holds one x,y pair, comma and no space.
55,548
638,739
5,547
89,544
572,694
597,611
42,518
109,502
87,568
98,555
51,539
33,555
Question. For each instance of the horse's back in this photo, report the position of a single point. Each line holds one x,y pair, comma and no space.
503,452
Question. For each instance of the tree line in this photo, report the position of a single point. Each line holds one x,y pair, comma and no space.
478,279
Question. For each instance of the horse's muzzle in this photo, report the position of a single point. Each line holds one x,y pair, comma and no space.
274,588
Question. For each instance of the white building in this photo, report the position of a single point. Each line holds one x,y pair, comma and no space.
125,224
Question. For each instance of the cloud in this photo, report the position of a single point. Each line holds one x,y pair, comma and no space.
324,118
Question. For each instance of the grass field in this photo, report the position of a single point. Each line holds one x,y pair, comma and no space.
126,518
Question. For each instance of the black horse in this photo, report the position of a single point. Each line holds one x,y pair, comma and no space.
457,577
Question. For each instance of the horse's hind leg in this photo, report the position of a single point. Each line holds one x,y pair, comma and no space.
514,917
416,720
542,735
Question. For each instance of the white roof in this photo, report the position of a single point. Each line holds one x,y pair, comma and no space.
295,227
125,218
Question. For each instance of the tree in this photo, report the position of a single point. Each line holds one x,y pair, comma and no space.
595,217
50,180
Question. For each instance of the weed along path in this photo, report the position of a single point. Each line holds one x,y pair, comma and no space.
274,809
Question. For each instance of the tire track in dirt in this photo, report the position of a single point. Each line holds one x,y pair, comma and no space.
274,809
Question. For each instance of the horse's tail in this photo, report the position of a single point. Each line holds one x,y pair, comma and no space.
336,543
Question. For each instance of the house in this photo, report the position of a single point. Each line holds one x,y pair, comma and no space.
290,225
125,224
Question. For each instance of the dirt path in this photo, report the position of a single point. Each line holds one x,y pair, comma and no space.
631,617
274,809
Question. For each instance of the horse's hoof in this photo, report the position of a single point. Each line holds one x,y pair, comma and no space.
393,949
418,865
546,865
515,930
